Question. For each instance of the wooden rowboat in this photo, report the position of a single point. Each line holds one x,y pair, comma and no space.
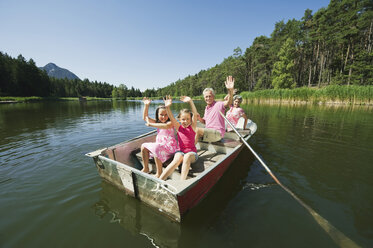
121,166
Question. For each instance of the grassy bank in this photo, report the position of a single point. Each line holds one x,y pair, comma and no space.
362,95
329,94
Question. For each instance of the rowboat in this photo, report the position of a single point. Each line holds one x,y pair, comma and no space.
121,166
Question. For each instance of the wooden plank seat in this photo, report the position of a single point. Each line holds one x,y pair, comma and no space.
205,159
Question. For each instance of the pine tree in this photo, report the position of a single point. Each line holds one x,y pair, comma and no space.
283,75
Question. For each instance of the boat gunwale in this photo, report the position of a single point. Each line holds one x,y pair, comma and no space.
100,150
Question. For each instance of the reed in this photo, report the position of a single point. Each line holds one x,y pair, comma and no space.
334,93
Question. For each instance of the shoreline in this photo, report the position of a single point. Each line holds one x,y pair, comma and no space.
11,100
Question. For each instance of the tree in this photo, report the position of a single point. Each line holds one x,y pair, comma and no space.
122,91
283,70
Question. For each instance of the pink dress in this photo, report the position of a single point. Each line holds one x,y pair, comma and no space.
233,115
165,145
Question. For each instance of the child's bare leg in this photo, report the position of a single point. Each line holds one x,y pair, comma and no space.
159,165
145,159
189,158
199,134
178,158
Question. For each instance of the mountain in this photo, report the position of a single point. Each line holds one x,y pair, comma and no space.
57,72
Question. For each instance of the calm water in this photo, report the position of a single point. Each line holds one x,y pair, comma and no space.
52,196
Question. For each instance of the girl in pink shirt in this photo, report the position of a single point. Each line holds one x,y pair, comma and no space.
236,112
186,132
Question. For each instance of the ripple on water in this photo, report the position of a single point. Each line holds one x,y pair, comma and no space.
256,186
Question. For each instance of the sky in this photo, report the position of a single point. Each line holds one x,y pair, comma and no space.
142,44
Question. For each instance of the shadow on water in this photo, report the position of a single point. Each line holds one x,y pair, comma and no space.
138,218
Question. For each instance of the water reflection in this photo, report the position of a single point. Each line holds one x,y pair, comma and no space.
126,105
21,118
136,217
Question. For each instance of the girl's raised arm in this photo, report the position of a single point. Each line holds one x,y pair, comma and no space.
194,109
145,115
167,104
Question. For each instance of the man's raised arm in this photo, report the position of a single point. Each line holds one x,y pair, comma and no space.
229,84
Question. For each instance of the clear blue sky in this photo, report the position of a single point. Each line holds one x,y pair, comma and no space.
143,44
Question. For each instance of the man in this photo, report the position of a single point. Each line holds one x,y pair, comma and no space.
214,123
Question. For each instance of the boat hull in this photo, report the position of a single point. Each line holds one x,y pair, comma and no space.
194,195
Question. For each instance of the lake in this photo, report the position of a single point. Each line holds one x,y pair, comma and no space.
51,194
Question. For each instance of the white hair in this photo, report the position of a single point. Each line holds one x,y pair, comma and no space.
238,97
209,89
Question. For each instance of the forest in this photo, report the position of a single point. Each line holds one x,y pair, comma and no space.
330,47
19,77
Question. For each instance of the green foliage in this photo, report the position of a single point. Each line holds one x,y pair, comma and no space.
283,73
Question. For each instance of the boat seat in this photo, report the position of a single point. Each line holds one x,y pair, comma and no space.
223,142
151,160
205,159
233,135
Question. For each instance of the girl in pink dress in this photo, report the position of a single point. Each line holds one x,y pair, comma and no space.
235,112
186,132
165,144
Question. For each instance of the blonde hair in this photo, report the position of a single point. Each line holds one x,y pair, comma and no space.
185,111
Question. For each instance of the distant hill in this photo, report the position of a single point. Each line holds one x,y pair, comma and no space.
57,72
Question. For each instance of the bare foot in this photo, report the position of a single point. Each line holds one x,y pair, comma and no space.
157,175
146,170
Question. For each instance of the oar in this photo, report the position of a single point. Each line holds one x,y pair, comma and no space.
338,237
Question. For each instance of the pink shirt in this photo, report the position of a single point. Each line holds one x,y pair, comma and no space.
233,115
186,137
213,118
